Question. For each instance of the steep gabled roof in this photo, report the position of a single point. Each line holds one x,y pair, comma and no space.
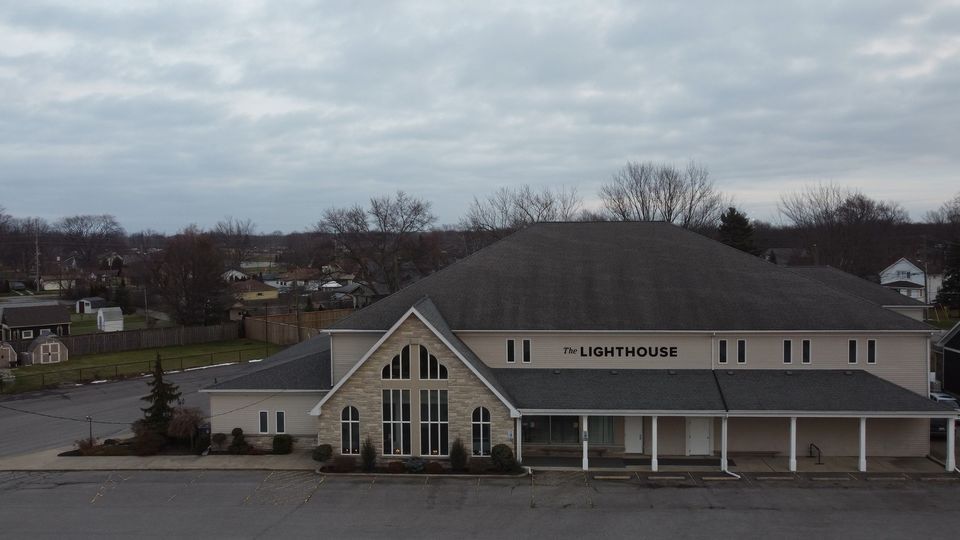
626,276
849,283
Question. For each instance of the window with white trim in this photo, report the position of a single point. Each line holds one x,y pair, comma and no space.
399,367
526,351
481,431
264,423
511,351
431,368
787,351
434,428
805,358
349,430
281,424
26,334
852,351
871,351
741,351
396,422
723,351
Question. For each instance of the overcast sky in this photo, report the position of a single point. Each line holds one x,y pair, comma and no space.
174,112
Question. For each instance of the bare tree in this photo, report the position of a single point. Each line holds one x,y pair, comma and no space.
947,214
648,191
375,238
509,209
235,235
188,278
91,235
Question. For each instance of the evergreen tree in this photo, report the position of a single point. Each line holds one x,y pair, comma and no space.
949,295
161,395
736,231
309,307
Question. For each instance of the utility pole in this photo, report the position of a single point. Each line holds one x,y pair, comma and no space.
146,310
36,245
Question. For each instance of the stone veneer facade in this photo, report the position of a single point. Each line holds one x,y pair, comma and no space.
363,390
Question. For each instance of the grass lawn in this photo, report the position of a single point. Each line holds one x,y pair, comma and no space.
946,324
112,365
86,323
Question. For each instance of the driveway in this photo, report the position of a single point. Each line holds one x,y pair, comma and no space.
115,403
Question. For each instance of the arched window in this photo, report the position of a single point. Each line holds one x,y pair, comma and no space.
350,431
481,431
399,367
430,367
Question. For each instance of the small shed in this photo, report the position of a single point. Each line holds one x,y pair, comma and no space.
90,304
46,349
110,319
8,356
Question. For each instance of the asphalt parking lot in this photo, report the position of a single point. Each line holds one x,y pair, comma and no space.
252,504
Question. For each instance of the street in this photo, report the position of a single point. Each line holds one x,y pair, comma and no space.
117,402
260,504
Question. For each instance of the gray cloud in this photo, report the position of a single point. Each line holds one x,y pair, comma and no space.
168,113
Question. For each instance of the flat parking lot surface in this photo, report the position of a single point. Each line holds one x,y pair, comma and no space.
297,504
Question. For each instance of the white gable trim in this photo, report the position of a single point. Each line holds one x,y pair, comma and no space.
316,410
904,259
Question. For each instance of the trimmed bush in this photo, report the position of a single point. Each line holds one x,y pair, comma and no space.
433,467
344,464
414,465
458,455
322,452
219,439
502,457
148,443
396,467
282,444
479,465
239,444
86,446
368,455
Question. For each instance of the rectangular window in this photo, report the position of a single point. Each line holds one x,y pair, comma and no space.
806,351
264,422
871,351
787,351
511,353
600,429
741,351
396,422
723,351
526,351
281,422
26,334
434,429
852,351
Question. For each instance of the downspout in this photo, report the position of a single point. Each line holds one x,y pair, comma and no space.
726,419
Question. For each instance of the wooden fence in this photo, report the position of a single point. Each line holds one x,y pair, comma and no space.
283,329
149,338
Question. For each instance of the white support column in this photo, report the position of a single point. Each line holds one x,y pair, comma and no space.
654,466
951,461
793,444
586,435
519,435
723,444
862,466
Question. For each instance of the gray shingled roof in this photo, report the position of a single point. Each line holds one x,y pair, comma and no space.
626,276
604,389
305,366
27,316
818,390
868,290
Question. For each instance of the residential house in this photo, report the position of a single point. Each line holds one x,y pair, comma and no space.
46,349
234,275
110,319
907,278
356,295
90,304
57,283
28,322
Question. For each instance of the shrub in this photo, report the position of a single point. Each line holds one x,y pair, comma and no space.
458,455
396,467
239,444
218,439
282,444
201,443
368,454
502,457
322,452
148,443
184,423
414,465
86,446
478,465
433,467
344,464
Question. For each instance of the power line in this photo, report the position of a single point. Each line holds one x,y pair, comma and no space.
57,417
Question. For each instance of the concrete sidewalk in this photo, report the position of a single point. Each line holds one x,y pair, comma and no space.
48,460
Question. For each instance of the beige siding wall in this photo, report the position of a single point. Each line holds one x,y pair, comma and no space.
348,348
246,412
915,313
901,358
465,393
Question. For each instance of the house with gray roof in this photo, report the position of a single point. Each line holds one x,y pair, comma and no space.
632,341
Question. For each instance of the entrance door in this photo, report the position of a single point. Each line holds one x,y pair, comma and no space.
699,441
633,434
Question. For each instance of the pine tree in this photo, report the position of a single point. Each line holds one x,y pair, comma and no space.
736,231
161,395
949,295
